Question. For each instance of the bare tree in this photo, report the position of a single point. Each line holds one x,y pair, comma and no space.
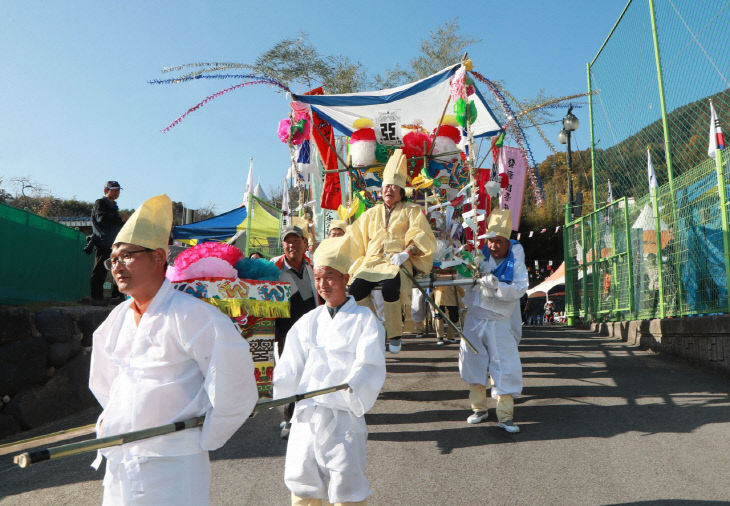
296,61
444,46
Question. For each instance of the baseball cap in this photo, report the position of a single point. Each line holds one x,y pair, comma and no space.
291,229
112,185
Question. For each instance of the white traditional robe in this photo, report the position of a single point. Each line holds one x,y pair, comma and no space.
493,324
325,455
185,359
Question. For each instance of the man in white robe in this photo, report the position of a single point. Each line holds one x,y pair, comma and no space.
494,326
339,342
160,357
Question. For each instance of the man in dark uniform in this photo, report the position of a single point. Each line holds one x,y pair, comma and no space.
105,224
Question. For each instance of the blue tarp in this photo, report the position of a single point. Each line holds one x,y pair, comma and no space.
218,228
700,235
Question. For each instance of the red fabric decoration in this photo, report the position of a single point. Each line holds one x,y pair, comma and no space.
331,192
364,134
504,180
413,146
484,203
449,131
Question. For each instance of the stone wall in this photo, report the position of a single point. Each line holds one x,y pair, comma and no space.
44,365
703,340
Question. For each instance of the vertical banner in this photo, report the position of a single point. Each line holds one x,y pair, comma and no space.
324,138
512,163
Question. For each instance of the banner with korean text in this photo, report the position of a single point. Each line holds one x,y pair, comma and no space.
512,163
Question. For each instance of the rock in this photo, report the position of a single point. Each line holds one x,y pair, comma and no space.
89,321
16,323
56,325
64,394
22,364
8,426
60,353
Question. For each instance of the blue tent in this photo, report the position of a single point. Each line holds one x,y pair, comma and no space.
218,228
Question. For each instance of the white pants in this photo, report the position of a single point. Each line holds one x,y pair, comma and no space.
327,459
157,480
497,355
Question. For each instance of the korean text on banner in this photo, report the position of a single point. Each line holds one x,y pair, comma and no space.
512,163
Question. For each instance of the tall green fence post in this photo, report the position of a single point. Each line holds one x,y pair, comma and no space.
584,266
614,260
719,165
629,257
667,147
590,124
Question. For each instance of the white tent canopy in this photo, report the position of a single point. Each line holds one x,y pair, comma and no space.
555,279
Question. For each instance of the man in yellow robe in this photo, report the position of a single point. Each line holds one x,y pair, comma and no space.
386,237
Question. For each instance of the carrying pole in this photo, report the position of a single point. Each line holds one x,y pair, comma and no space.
25,459
436,308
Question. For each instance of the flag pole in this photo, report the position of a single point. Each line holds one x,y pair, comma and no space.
658,235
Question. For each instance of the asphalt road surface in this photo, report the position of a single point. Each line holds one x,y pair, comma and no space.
602,423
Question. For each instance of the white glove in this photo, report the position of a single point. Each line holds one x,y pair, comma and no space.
489,281
399,259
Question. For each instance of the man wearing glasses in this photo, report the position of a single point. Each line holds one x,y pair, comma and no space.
161,357
105,224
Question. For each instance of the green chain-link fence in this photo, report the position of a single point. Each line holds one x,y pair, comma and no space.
654,78
41,260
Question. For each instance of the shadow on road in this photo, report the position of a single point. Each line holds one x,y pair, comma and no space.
577,385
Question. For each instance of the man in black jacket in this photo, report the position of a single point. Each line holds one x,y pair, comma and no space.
105,223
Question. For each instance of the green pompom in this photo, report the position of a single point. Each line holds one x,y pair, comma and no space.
460,111
382,153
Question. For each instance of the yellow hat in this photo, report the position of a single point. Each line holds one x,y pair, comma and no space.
342,224
150,225
303,224
499,224
396,169
334,252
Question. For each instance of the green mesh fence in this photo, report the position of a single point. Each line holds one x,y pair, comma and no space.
653,83
41,259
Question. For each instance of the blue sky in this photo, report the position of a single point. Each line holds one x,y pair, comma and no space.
76,108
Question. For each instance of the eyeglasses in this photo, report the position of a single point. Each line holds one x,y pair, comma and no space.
126,258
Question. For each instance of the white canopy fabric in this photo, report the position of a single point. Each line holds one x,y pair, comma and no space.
555,279
422,101
646,220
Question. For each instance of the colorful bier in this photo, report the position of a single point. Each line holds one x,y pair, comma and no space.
252,305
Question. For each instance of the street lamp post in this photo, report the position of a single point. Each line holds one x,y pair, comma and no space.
570,124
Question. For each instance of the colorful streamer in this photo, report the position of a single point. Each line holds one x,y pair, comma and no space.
520,138
178,80
206,64
211,97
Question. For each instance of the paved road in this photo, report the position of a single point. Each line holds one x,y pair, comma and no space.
602,423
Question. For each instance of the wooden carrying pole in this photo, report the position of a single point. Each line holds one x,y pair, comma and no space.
25,459
436,308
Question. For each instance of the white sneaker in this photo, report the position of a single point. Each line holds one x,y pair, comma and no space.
478,417
284,434
509,426
394,345
440,342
